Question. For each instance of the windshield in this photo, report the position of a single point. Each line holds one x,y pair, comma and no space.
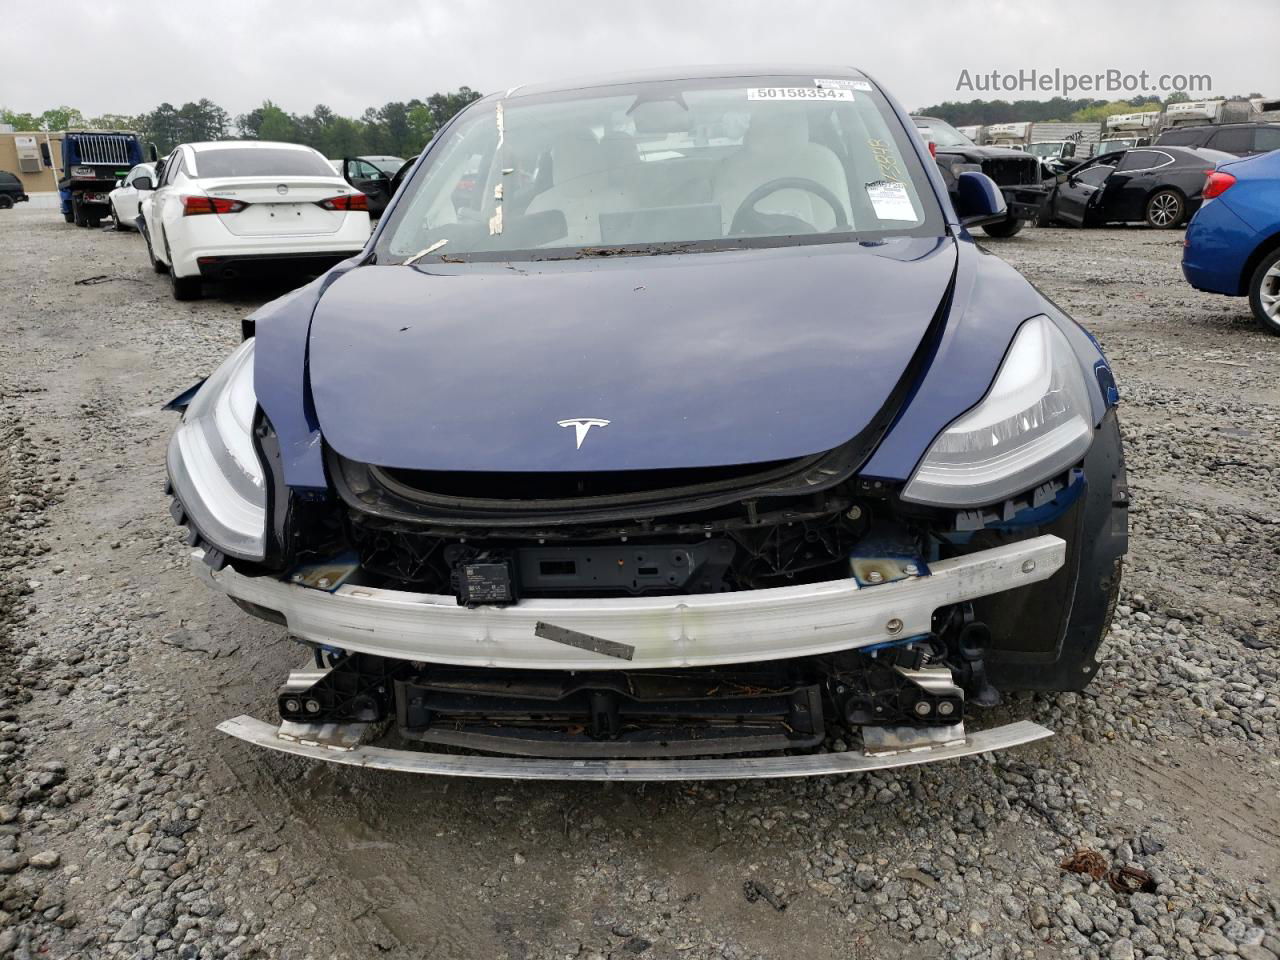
387,165
943,133
1111,146
657,167
261,162
1046,149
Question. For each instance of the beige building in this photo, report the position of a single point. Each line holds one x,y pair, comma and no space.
35,157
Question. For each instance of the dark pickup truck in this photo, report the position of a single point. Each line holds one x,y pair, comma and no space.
1018,175
11,190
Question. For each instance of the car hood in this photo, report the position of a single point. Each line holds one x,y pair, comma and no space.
977,153
694,360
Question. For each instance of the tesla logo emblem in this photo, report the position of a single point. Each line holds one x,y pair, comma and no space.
282,189
581,425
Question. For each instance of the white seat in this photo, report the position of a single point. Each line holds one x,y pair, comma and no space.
777,145
590,178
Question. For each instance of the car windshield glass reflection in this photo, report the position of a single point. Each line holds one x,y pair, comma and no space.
664,166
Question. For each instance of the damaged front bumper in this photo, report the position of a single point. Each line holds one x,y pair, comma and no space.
337,746
638,688
657,632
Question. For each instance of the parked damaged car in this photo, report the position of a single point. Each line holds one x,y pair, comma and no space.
1161,186
1018,174
708,436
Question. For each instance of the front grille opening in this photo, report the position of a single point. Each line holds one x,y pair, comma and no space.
524,486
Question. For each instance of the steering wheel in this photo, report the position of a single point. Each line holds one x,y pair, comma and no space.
748,204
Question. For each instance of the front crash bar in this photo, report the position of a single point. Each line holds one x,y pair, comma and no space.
695,630
263,734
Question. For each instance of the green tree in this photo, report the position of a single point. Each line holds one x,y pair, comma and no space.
61,118
115,121
19,121
277,125
163,127
201,121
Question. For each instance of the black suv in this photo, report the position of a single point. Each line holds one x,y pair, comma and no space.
1242,139
11,191
1019,175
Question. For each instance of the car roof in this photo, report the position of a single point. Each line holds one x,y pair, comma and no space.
201,146
707,72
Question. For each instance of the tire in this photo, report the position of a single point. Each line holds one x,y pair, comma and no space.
1264,293
93,222
6,202
156,265
115,219
1005,228
69,217
1165,209
186,288
77,213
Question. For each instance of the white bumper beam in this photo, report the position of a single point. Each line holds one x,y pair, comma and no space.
680,631
263,734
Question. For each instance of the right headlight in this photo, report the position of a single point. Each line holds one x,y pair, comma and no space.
1035,422
213,464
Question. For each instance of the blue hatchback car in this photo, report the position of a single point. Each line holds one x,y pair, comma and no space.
1232,244
698,435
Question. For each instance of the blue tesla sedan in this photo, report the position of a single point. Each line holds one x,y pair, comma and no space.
698,435
1232,244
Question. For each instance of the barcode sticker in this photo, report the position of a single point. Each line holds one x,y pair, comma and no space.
890,201
862,85
797,93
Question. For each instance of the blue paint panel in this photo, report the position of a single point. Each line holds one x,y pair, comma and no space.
1228,229
696,360
991,301
280,379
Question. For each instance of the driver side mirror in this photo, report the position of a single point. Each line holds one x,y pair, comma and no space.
143,183
978,200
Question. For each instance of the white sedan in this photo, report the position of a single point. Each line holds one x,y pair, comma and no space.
225,209
123,200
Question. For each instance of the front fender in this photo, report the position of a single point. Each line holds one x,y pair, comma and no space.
991,301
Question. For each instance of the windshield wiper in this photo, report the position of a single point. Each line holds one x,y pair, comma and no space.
409,261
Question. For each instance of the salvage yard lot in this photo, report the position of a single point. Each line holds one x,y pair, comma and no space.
171,840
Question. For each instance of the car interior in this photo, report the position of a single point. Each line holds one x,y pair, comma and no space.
658,171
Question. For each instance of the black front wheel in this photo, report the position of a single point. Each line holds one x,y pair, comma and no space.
6,201
78,214
156,265
186,288
1004,228
1165,209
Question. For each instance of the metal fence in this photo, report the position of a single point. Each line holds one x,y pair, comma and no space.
103,148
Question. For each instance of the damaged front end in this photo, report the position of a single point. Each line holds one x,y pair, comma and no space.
644,624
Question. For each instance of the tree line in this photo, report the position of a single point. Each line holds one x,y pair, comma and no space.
399,128
960,113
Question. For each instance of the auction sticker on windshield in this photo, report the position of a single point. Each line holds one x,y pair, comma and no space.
890,201
862,85
797,93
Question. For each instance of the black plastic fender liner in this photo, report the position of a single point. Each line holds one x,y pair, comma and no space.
1048,652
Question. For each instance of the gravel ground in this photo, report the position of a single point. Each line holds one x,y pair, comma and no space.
128,828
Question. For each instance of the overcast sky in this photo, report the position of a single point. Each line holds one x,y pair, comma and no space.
126,57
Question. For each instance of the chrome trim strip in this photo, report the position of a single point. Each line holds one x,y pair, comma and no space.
262,734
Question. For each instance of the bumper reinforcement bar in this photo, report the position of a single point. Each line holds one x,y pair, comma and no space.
687,630
340,744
